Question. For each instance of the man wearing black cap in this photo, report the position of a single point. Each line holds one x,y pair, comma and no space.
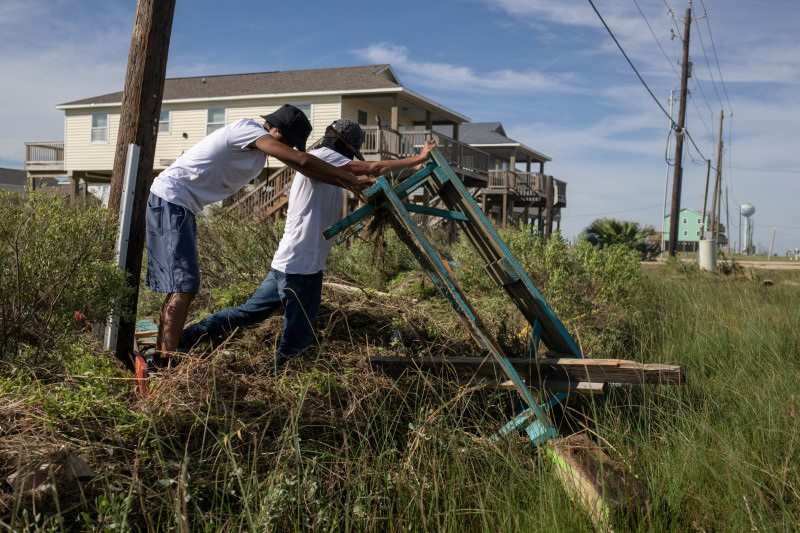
212,170
294,282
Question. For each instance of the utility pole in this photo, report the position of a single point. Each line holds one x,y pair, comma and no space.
705,201
666,177
716,202
139,115
679,135
727,220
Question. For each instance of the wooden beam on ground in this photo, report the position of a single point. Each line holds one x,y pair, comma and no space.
567,369
552,385
602,485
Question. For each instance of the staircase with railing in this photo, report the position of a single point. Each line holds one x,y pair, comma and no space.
267,198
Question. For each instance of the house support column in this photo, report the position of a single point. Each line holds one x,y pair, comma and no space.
73,186
428,121
505,208
548,229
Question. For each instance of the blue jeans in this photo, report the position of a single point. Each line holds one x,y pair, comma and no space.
298,294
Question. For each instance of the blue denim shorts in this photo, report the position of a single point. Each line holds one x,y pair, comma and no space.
172,264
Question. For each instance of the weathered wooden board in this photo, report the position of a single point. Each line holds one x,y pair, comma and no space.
600,483
551,385
567,369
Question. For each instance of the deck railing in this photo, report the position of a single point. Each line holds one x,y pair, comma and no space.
44,156
387,143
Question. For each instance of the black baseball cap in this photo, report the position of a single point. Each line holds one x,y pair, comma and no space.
293,123
350,133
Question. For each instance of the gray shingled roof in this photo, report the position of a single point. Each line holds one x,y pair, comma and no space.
486,134
479,133
260,83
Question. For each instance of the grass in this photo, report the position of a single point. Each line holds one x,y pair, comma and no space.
332,446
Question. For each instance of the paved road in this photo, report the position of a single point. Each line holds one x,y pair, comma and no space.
771,265
767,265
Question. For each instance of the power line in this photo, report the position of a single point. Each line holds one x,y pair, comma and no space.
716,58
708,65
777,170
653,96
623,210
657,41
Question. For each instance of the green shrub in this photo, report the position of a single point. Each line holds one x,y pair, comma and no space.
591,290
54,261
233,250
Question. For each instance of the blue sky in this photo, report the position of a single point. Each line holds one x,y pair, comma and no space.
547,69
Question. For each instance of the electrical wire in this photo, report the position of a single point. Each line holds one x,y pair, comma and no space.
653,96
657,41
716,58
624,210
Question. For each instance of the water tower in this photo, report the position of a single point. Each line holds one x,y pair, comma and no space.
746,210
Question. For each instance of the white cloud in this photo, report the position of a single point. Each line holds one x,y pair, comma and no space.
463,79
45,64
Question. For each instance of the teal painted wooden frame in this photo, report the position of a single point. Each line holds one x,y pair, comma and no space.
501,265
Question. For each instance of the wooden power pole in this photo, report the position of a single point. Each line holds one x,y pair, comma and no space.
141,109
679,135
716,202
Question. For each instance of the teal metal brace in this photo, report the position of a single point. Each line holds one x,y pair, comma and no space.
502,266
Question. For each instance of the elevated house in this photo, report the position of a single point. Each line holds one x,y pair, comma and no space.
512,194
691,228
396,119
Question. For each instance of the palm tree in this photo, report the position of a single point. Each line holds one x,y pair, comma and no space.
608,231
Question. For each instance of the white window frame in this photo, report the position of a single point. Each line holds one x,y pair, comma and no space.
93,129
216,125
309,105
168,122
358,118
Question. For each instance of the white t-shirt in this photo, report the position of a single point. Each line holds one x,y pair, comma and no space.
214,168
313,207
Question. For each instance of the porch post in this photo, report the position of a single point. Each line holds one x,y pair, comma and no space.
395,119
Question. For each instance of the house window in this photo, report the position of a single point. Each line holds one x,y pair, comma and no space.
165,121
362,117
698,220
216,119
685,233
305,108
698,233
99,128
685,221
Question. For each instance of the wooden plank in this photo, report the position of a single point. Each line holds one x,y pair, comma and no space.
602,485
533,370
552,385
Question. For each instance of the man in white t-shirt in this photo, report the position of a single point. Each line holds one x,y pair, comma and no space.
215,168
294,282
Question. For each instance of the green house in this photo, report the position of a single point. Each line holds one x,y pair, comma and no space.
690,225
